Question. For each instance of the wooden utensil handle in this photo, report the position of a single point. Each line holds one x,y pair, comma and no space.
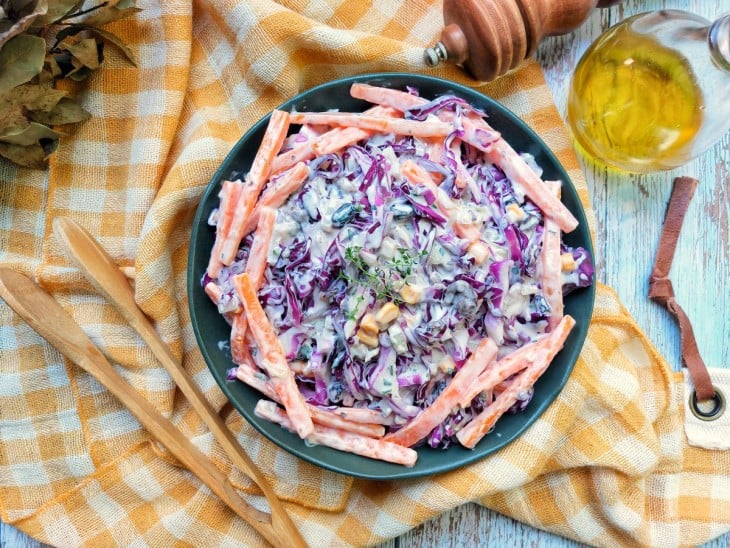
100,269
491,37
45,315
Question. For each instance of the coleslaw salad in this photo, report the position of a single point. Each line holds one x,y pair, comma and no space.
397,275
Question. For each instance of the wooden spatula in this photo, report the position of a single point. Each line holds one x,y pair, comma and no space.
103,273
44,314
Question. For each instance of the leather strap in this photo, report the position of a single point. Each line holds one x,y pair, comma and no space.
661,290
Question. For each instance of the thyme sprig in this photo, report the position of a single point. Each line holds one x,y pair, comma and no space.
381,277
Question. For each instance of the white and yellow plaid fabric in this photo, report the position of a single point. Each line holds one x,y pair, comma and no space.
606,464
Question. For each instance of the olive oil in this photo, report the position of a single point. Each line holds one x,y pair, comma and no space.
642,94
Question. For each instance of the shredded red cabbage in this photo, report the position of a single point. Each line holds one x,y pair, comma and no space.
357,235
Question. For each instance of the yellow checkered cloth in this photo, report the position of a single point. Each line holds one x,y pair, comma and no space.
607,463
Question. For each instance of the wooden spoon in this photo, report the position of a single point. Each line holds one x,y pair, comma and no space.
50,320
103,273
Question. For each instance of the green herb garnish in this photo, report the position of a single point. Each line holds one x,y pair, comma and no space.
380,277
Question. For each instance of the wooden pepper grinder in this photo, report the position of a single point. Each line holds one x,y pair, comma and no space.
491,37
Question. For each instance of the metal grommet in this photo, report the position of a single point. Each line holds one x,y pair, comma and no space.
718,399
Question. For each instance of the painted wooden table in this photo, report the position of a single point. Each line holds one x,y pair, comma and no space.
629,212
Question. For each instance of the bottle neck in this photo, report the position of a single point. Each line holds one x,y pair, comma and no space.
720,41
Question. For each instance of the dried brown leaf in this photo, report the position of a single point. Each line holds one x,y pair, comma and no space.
32,97
85,50
33,134
12,119
34,156
111,11
67,111
58,9
24,23
21,58
116,41
27,110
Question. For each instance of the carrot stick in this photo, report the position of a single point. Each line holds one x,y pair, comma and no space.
339,439
480,135
550,261
476,132
273,358
376,123
300,153
278,192
269,148
284,186
436,150
239,328
229,196
330,141
436,413
362,414
337,139
250,375
255,180
418,175
394,98
255,268
502,154
499,370
333,420
213,291
547,348
256,265
244,207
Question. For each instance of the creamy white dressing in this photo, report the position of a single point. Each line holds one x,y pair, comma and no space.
358,236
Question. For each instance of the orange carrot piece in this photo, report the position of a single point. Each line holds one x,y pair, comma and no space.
337,139
498,370
394,98
436,150
244,207
476,132
547,348
273,357
418,175
436,413
362,414
300,153
229,196
213,291
382,124
339,439
284,186
263,332
255,180
256,265
255,268
278,192
482,136
333,420
330,141
551,267
270,145
239,328
502,154
249,374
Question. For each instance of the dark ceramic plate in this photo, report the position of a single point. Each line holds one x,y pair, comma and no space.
210,327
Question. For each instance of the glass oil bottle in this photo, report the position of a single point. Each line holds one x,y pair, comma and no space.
653,92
